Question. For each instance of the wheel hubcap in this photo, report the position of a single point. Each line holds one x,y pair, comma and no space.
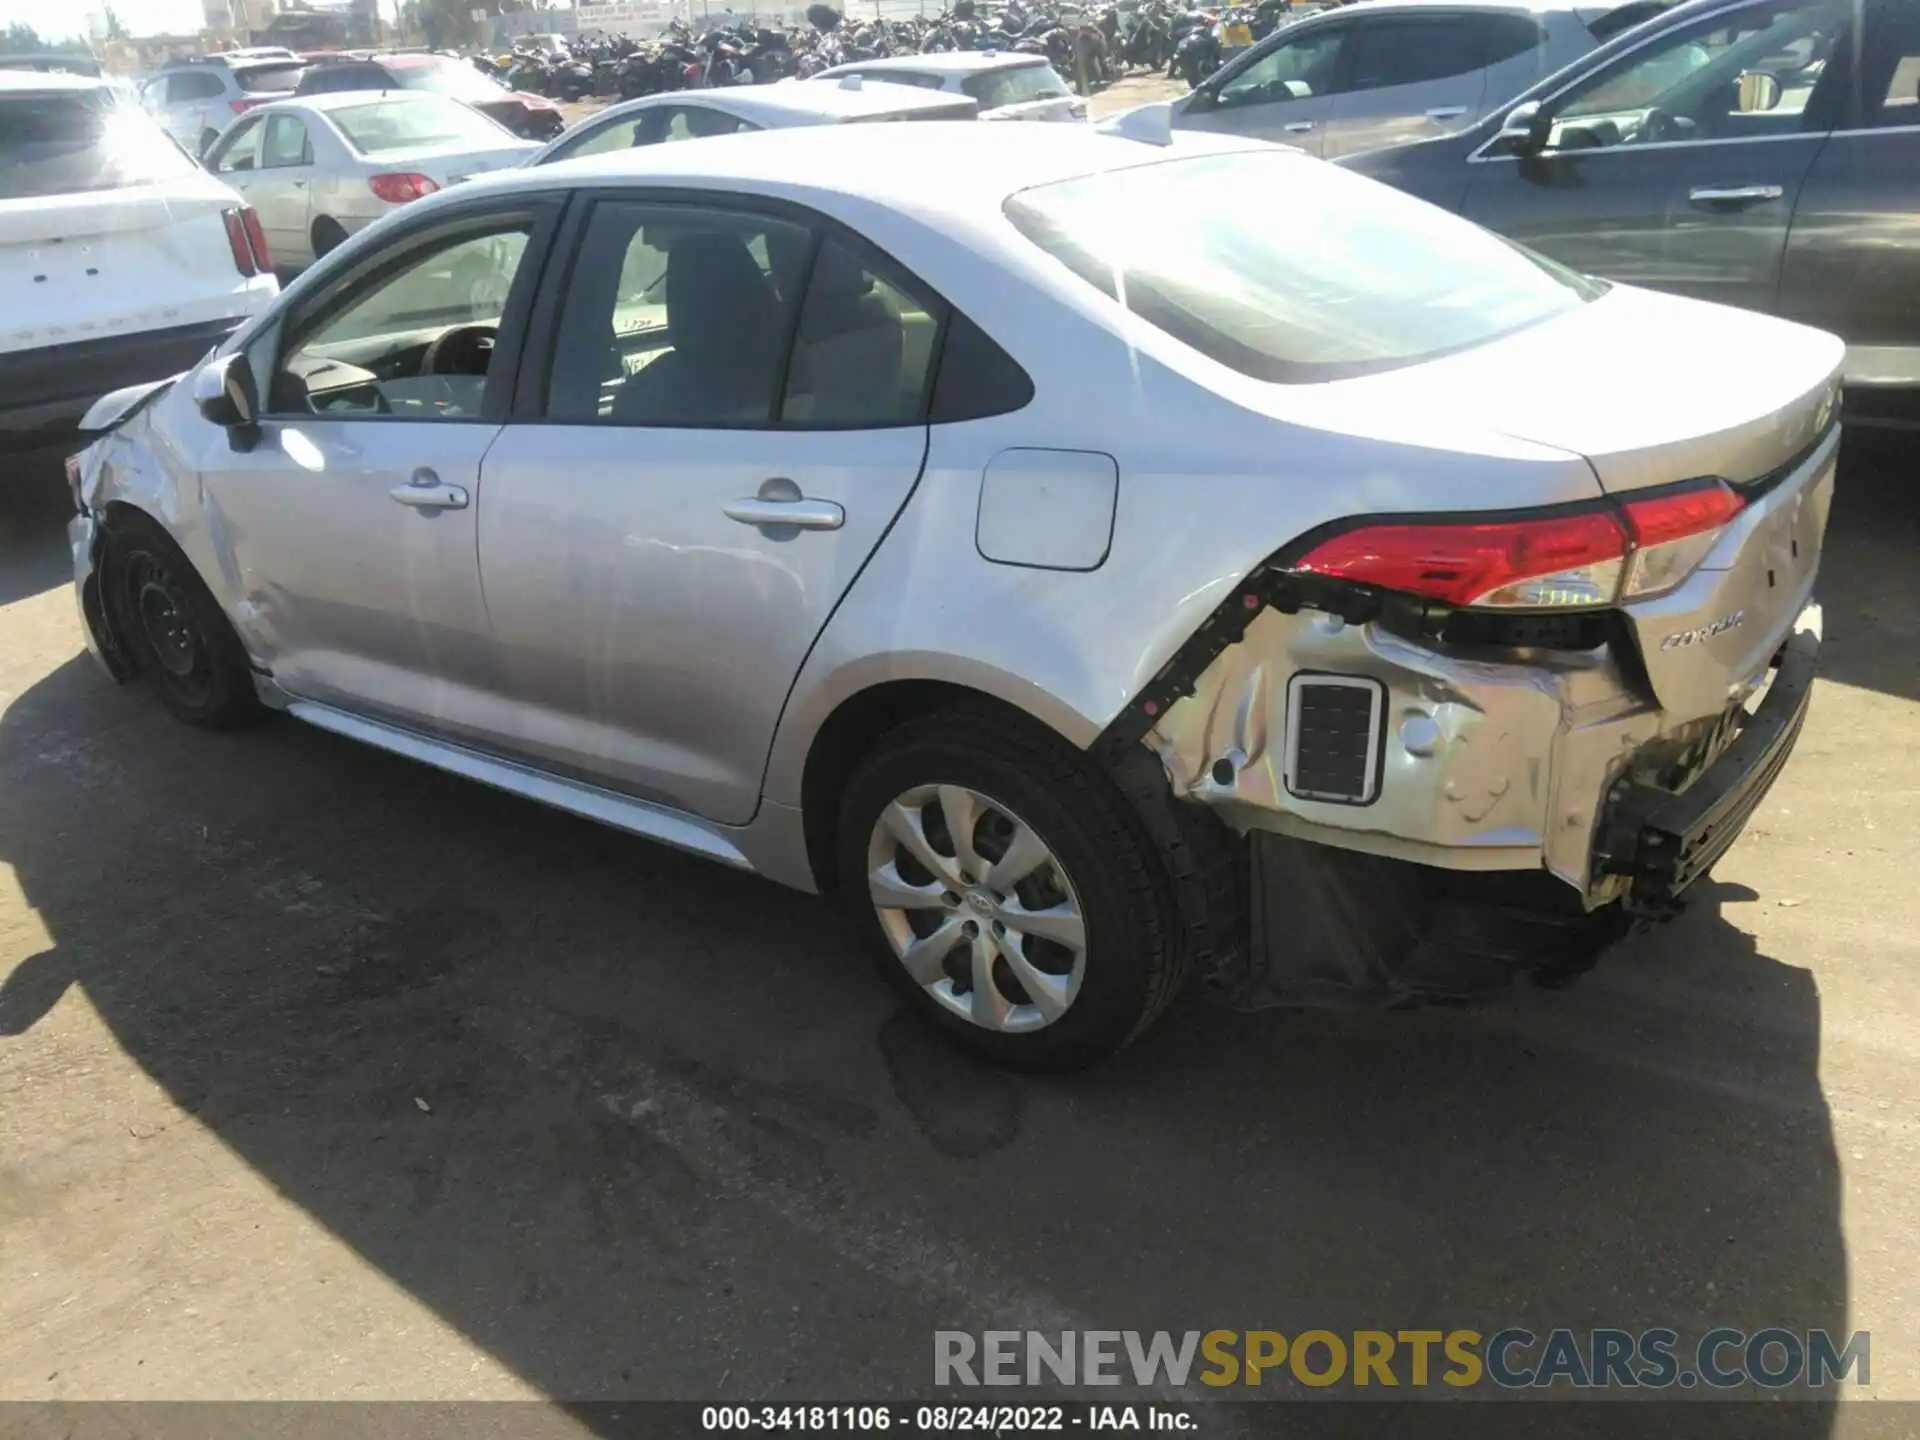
977,907
163,615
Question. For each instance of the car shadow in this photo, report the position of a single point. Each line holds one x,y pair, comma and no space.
1869,585
621,1116
34,506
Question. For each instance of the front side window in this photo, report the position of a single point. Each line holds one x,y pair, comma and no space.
239,148
1299,70
67,144
1717,79
391,127
1015,86
285,143
1289,271
677,316
416,343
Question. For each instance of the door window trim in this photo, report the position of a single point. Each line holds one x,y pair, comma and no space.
1596,60
349,279
540,342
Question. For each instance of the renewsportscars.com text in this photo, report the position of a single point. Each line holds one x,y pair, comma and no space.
1512,1358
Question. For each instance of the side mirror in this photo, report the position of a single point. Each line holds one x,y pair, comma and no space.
1759,91
1526,129
224,394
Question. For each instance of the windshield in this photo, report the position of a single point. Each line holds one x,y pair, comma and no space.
259,79
389,127
447,77
1289,271
1015,86
69,144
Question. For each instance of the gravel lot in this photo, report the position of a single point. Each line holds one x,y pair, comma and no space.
323,1075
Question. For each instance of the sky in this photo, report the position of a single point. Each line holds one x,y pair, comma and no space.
56,21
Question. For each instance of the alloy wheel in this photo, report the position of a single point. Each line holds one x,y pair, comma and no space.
977,907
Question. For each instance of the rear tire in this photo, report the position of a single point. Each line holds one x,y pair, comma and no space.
328,235
207,137
1102,958
179,638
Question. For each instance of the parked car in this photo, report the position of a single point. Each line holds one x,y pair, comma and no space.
529,116
120,260
319,169
1390,71
1732,151
57,63
1006,84
700,114
197,99
1089,562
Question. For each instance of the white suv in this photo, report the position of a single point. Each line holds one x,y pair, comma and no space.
198,99
121,260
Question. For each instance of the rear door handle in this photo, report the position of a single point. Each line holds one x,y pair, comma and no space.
426,492
1734,194
799,514
1297,127
1446,112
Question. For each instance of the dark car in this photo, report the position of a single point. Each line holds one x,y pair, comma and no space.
1764,153
527,115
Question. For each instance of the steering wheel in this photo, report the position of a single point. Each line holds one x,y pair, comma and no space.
1657,126
460,350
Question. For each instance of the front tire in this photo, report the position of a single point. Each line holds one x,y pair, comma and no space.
179,638
1007,891
328,235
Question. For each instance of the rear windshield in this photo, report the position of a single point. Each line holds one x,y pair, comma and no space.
444,77
1015,86
1292,272
69,144
257,79
387,127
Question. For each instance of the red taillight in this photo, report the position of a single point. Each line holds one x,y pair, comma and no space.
237,241
1582,558
398,189
240,107
256,238
1672,533
1555,561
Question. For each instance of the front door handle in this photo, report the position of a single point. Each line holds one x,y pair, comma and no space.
1297,127
1734,194
426,492
1446,112
800,514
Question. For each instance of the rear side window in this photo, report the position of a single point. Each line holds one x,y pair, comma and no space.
193,85
1891,56
864,347
1411,52
901,77
70,144
977,378
1501,37
1289,271
1015,86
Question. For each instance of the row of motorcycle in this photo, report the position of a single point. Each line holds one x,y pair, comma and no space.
1087,48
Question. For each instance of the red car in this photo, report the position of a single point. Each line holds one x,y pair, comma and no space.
529,115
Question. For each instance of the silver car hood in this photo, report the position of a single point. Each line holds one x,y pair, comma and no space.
1649,388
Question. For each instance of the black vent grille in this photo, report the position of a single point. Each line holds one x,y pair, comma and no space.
1333,738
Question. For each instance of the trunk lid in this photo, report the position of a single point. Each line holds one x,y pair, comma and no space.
94,265
450,167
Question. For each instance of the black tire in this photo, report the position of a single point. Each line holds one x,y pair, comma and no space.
207,137
1135,963
181,641
328,235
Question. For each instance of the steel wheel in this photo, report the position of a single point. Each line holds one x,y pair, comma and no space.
978,908
164,611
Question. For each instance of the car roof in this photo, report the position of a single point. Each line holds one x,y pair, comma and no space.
933,167
343,99
950,62
788,102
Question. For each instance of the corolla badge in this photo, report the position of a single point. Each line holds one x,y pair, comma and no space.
1681,639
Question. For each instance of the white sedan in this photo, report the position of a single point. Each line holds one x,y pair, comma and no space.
319,168
1091,563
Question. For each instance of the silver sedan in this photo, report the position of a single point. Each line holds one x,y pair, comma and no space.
320,168
1090,562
